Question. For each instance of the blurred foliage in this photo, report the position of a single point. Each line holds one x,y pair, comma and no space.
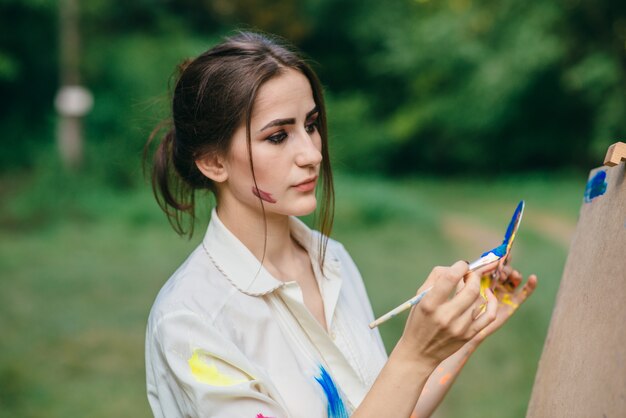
451,86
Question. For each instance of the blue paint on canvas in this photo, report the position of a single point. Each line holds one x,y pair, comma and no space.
596,186
336,407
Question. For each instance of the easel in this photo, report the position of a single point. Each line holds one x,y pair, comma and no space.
582,371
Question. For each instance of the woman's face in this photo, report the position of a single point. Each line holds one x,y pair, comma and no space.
286,150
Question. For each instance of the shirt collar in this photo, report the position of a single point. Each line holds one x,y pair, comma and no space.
244,270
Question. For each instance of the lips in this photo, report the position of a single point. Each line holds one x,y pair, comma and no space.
307,185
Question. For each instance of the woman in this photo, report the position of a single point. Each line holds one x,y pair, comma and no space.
267,318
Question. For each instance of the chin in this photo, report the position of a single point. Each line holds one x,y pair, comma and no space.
304,208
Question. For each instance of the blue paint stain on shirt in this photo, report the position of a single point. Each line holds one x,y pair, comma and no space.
336,407
596,186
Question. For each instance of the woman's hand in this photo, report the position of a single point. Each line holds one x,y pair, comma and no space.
436,328
510,297
439,325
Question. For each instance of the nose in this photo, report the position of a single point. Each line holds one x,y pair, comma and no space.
308,152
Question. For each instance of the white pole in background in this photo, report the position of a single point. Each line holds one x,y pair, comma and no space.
72,101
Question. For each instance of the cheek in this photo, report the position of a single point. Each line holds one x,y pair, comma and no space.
317,140
270,166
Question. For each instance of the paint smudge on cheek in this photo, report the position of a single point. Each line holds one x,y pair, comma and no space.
263,195
336,407
596,186
208,373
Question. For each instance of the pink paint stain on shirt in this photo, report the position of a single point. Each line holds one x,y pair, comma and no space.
263,195
262,416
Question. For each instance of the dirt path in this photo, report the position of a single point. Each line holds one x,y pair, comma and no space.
474,236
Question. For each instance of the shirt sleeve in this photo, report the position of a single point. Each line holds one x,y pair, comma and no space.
200,373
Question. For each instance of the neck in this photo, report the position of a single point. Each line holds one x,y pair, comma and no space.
273,245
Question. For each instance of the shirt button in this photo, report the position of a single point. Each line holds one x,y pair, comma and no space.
333,336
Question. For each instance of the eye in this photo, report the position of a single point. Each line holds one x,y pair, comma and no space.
312,126
277,138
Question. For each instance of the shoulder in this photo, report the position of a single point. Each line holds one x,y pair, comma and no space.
199,298
196,287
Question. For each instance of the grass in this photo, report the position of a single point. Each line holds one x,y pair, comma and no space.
81,266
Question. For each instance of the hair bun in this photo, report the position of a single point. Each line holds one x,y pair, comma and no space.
182,66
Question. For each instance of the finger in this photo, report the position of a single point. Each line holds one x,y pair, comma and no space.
461,324
479,308
466,298
459,286
444,281
528,289
481,303
487,269
506,271
429,282
487,317
513,281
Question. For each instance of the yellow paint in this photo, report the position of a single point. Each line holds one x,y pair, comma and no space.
485,283
208,373
483,308
506,299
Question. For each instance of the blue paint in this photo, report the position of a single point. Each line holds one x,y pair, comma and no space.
596,186
336,407
500,251
514,222
420,297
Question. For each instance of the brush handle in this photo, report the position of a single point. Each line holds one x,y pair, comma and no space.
406,305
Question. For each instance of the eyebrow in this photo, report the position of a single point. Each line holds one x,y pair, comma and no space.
289,121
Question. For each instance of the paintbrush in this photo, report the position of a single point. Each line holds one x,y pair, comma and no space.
487,258
500,253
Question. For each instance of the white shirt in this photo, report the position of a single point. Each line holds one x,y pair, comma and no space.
227,339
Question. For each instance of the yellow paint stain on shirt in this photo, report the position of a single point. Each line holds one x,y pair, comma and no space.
208,373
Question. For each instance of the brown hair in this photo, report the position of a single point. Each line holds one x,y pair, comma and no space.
214,94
